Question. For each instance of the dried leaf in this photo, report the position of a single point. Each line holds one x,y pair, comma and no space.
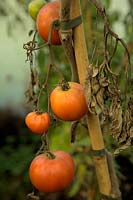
87,85
115,115
95,85
131,133
123,147
100,100
104,82
31,196
93,104
102,89
95,72
126,136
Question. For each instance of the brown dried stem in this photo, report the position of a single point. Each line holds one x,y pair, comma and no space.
73,130
45,144
66,38
107,31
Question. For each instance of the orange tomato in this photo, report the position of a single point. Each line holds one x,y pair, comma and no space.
69,105
38,122
52,174
47,14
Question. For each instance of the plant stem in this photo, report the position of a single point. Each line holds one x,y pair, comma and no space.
64,85
66,38
50,155
52,63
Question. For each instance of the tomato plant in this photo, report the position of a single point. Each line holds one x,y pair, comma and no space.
47,14
52,172
38,122
68,104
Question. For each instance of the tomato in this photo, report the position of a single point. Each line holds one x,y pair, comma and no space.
52,174
38,122
45,17
34,7
70,104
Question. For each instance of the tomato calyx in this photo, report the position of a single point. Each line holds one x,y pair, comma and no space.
50,155
64,85
39,112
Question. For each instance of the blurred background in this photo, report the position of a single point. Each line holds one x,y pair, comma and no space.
18,145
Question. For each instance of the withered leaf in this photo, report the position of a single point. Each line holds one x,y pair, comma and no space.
123,147
126,135
115,115
100,100
102,89
95,72
93,104
87,85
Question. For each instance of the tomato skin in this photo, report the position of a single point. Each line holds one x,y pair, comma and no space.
52,175
47,14
69,105
38,122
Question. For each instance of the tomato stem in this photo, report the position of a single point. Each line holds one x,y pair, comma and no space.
39,112
64,85
45,144
50,155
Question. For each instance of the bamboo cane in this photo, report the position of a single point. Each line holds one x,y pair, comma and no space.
101,165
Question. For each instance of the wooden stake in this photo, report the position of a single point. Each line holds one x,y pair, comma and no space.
96,137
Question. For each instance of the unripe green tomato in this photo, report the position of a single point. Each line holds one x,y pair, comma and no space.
34,7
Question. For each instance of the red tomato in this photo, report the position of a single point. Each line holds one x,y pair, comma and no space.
38,122
52,174
47,14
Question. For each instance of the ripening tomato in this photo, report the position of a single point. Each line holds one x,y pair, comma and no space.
52,174
34,6
70,104
47,14
38,122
